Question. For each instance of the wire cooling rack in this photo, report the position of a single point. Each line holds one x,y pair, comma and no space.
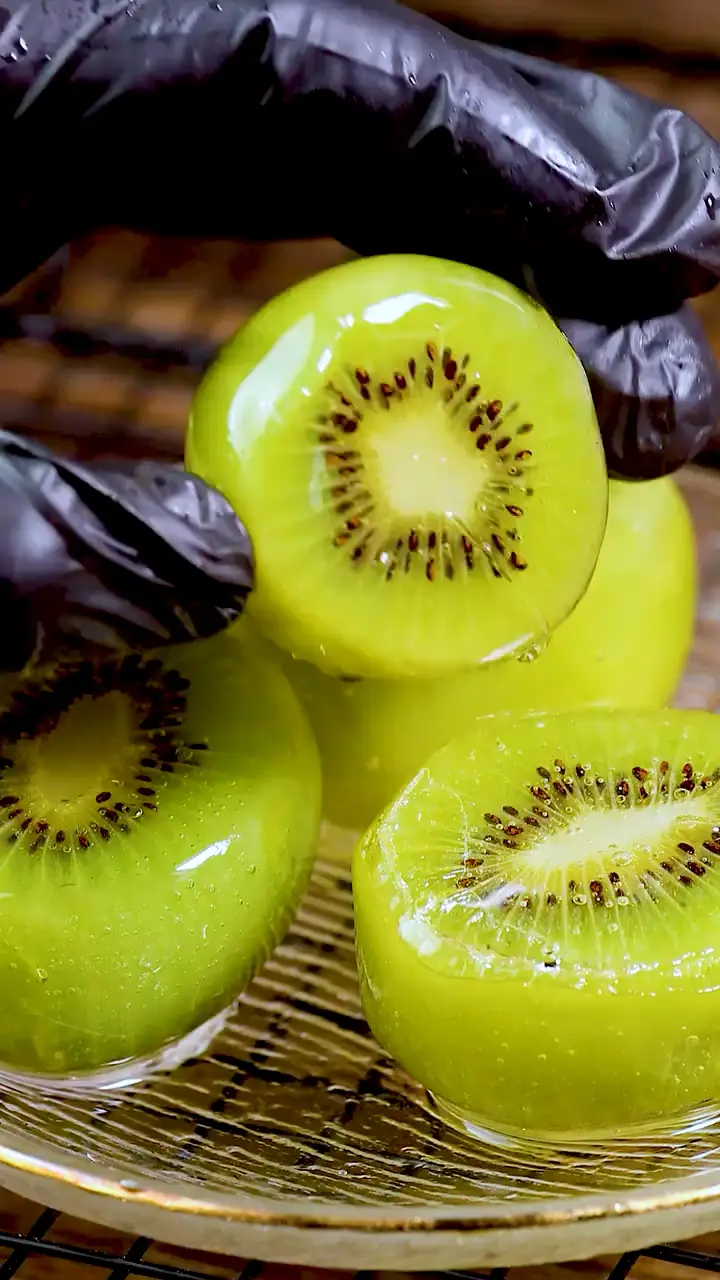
36,1253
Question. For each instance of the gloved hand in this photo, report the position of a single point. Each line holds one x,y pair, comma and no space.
367,122
139,555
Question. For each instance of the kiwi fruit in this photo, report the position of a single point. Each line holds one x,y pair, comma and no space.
375,734
158,821
413,448
536,919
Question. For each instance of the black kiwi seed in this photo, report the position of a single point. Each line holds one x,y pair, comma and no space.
156,695
679,864
369,538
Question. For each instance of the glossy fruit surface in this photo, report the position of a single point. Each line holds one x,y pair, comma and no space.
413,447
536,918
626,644
158,826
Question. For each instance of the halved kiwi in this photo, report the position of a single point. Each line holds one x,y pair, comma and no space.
413,447
537,923
375,734
158,821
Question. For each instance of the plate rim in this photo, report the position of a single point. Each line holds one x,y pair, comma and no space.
40,1161
320,1235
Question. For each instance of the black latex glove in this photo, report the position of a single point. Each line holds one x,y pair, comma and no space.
377,126
139,555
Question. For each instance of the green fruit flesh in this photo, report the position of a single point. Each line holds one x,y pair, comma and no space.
625,644
413,447
536,919
158,821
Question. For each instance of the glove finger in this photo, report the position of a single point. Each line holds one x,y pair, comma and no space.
137,556
656,387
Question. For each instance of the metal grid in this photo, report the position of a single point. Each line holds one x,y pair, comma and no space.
115,1266
36,1245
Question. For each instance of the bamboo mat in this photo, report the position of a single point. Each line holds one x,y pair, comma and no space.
102,403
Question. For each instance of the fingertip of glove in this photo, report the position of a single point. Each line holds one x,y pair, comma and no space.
656,388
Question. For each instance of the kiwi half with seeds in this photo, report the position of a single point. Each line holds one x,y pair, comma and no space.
413,447
158,821
536,919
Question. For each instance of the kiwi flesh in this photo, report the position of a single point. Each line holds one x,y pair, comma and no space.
158,821
536,919
413,448
374,735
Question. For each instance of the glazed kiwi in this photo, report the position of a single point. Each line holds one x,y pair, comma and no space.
625,644
158,821
536,918
413,447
